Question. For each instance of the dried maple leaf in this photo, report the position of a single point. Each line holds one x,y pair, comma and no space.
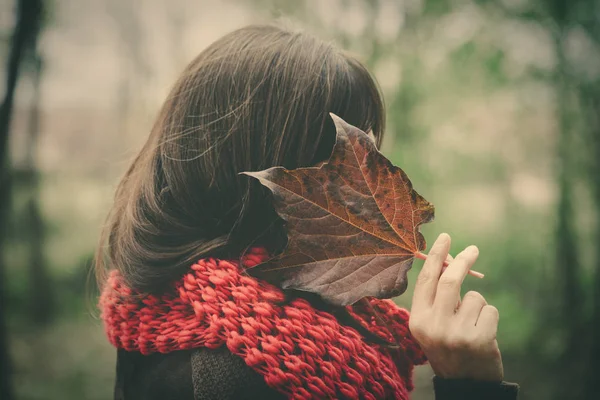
352,223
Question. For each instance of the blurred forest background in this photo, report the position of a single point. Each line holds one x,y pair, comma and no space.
494,113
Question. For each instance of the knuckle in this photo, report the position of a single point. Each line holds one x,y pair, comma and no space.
492,310
436,255
448,282
474,296
424,278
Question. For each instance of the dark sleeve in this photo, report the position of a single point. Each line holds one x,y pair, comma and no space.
189,375
153,377
220,375
466,389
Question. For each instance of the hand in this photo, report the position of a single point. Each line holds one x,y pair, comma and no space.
458,338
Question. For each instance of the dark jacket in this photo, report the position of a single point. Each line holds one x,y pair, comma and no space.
219,375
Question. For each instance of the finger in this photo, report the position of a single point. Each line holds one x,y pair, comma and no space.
458,301
470,308
449,259
488,321
448,288
427,280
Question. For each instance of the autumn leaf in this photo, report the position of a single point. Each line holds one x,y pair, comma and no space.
352,223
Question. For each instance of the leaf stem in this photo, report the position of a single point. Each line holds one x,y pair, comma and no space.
422,256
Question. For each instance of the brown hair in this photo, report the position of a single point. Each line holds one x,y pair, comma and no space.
258,97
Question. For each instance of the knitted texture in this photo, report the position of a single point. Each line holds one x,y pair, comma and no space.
302,352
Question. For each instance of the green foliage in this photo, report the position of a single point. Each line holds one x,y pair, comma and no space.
436,8
494,63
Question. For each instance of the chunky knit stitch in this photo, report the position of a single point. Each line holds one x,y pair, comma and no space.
302,352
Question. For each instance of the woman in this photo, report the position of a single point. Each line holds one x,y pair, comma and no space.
187,320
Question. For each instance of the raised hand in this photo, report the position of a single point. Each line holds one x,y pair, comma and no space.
458,337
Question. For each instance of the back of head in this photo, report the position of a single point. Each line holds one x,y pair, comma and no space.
258,97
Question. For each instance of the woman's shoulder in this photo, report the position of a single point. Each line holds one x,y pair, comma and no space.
154,376
219,374
189,374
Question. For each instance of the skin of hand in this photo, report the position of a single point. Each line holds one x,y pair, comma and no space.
458,337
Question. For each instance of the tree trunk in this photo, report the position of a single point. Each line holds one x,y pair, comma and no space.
26,28
40,283
567,261
591,382
590,100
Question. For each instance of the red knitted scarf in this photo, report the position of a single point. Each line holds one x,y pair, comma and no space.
300,351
